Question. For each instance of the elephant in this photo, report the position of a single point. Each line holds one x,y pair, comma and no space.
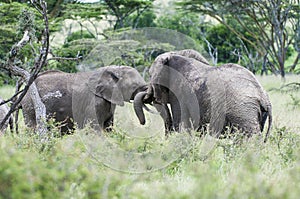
4,109
84,97
202,96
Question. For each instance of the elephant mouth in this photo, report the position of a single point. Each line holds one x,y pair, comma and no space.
138,90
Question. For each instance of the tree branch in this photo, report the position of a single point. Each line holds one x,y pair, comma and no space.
39,107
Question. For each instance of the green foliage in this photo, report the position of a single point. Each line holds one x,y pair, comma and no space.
187,23
145,19
268,23
74,47
79,35
295,101
15,18
82,10
227,42
10,13
122,9
136,48
65,167
117,52
5,78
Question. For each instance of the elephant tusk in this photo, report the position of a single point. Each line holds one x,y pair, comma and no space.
149,110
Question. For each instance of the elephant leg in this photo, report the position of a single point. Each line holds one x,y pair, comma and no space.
166,115
186,119
29,117
176,112
104,113
248,124
252,127
108,124
217,122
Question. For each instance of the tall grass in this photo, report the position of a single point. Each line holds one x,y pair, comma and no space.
81,166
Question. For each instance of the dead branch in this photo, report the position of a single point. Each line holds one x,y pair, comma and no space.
29,78
66,58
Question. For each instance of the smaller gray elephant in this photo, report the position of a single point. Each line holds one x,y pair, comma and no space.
84,97
3,111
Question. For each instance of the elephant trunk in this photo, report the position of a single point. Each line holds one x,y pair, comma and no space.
138,90
138,106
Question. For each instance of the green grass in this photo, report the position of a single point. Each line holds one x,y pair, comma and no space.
6,91
138,162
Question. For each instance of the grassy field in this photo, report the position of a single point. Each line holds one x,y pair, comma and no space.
138,162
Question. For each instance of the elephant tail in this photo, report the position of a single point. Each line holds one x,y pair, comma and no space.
269,112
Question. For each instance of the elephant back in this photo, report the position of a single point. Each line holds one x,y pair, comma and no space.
55,90
51,72
190,53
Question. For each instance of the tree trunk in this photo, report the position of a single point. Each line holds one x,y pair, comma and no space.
281,66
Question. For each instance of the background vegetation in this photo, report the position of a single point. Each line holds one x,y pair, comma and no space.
227,31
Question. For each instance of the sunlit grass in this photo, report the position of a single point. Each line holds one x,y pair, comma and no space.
82,165
285,110
6,91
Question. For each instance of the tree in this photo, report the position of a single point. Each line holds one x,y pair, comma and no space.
187,23
9,20
122,9
16,66
145,19
77,45
275,21
229,47
57,12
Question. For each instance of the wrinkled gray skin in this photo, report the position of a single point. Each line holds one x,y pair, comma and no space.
200,94
85,97
3,111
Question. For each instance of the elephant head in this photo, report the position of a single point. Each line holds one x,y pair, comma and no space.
116,84
162,89
162,109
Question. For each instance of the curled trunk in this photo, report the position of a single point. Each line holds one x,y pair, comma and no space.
147,97
138,106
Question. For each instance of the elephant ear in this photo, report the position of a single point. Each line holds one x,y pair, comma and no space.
159,73
159,65
105,85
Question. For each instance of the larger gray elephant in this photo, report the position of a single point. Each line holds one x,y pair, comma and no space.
3,111
84,97
200,94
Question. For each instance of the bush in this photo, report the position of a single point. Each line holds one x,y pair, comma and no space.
79,35
146,19
72,49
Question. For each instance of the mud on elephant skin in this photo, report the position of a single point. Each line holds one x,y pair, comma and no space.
84,97
200,94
